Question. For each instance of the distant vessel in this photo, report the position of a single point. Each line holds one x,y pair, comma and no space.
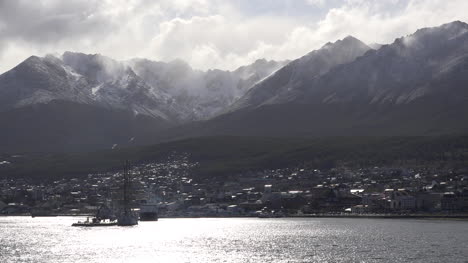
104,217
127,217
95,222
265,213
149,210
41,213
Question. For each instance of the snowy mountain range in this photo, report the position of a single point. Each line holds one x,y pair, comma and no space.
417,85
171,91
282,86
202,95
79,102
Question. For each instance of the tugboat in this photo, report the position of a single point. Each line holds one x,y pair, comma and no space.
127,217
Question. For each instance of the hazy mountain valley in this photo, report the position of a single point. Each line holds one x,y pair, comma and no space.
415,86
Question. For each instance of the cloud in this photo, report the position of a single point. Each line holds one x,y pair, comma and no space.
216,41
207,33
384,20
45,22
318,3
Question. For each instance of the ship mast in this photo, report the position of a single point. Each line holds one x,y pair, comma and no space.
127,218
125,189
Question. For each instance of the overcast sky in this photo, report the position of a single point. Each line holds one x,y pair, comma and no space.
207,34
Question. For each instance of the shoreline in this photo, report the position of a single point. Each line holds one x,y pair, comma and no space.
366,216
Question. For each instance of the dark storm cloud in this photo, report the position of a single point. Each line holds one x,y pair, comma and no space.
44,22
207,33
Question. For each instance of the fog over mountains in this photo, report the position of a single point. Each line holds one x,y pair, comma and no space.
284,84
414,86
170,91
418,85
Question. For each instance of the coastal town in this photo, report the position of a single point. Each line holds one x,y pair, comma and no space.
297,191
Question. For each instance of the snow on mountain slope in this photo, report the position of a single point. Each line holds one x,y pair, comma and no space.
202,95
414,86
129,91
172,91
40,80
87,79
398,73
283,85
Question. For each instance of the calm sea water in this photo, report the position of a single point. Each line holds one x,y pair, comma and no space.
24,239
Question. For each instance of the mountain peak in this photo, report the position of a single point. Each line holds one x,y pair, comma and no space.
260,61
456,23
39,64
425,40
32,60
345,43
71,57
350,38
437,34
452,27
285,84
72,53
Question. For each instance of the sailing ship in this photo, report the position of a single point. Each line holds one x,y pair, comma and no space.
127,217
106,216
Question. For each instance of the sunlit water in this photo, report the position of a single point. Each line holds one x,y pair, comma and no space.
24,239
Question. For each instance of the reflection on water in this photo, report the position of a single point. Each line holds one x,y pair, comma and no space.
24,239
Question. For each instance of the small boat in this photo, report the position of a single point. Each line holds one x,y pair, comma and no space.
270,214
41,213
95,222
103,217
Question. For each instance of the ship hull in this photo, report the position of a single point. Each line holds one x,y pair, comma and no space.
94,224
127,220
148,217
